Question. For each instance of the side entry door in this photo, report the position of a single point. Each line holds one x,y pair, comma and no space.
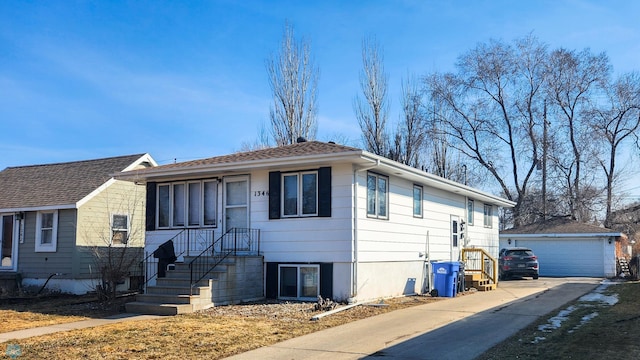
7,242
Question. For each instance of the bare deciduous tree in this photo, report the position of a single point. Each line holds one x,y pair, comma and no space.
494,107
615,121
372,112
411,134
572,78
293,79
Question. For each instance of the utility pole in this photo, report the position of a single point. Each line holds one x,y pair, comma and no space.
544,163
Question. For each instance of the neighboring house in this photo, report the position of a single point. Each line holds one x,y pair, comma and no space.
566,247
57,219
334,221
627,220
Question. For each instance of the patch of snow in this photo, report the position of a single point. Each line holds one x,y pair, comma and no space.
556,321
586,301
538,339
585,319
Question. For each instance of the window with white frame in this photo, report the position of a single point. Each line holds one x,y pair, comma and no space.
187,204
47,231
300,194
119,229
417,201
488,215
298,281
470,209
377,196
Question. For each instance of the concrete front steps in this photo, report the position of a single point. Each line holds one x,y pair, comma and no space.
171,294
236,279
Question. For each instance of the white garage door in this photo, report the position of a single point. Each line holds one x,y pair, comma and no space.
568,257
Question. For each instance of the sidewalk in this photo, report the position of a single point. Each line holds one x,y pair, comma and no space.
460,328
27,333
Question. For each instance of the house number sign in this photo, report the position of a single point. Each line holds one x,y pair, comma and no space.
260,193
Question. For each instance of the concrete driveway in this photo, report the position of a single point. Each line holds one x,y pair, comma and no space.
458,328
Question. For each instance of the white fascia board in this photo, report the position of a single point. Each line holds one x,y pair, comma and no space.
243,167
438,182
39,208
95,192
560,235
144,158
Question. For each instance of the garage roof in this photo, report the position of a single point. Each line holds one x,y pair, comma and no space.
561,227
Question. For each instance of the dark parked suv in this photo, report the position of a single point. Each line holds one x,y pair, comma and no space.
517,261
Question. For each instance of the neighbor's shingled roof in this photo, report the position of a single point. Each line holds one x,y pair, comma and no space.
307,148
559,226
57,184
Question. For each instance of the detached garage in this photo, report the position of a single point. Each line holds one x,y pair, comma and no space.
567,248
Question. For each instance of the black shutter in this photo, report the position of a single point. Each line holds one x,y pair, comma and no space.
151,206
324,192
326,280
274,195
271,285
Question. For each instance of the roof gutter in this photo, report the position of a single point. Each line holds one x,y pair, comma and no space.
439,182
561,235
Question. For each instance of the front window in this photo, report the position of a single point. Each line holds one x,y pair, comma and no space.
377,196
47,231
119,229
417,200
299,281
300,194
191,204
488,216
470,212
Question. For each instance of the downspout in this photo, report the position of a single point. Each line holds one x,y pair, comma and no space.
354,255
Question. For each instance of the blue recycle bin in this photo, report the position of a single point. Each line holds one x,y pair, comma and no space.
445,276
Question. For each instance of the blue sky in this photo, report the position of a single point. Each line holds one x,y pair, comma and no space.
185,80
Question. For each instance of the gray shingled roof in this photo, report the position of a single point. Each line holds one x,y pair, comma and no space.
559,226
300,149
57,184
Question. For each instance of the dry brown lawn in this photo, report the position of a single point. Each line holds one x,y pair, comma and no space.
216,333
227,330
612,333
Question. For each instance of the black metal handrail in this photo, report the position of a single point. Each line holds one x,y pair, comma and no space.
233,241
148,266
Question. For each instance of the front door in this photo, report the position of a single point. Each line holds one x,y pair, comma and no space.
7,256
236,202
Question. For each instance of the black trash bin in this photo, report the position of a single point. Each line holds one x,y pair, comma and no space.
165,255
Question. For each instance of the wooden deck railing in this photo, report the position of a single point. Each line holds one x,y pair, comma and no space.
477,260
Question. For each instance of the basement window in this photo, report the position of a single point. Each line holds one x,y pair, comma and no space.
298,282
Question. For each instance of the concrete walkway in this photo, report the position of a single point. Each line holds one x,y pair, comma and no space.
460,328
45,330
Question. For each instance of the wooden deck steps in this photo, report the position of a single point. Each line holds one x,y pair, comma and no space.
477,281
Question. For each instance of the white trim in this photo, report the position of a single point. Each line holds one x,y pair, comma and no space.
146,157
39,208
298,289
95,192
299,193
16,225
229,179
112,229
91,195
53,246
421,214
